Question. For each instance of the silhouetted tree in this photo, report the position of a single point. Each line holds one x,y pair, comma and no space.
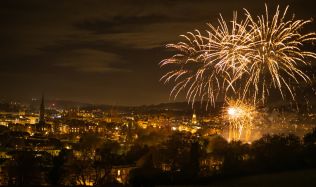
234,158
58,172
24,169
106,157
310,138
194,165
178,151
309,153
277,152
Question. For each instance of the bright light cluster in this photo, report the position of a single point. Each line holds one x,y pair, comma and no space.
235,112
239,115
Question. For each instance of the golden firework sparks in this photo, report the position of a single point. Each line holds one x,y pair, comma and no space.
206,65
239,114
278,57
241,58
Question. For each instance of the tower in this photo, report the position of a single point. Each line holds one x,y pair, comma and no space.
194,120
42,112
40,127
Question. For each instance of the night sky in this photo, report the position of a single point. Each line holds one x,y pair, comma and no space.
103,51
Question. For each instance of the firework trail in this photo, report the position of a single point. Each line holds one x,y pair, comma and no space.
206,65
241,59
278,57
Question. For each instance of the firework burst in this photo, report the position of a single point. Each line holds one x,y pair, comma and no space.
239,114
207,65
278,57
241,59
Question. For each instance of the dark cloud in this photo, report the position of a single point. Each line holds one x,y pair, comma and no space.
88,60
119,24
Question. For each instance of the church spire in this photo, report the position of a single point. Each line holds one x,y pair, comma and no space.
40,127
194,120
42,111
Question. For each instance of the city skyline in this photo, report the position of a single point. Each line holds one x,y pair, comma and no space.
103,52
158,93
